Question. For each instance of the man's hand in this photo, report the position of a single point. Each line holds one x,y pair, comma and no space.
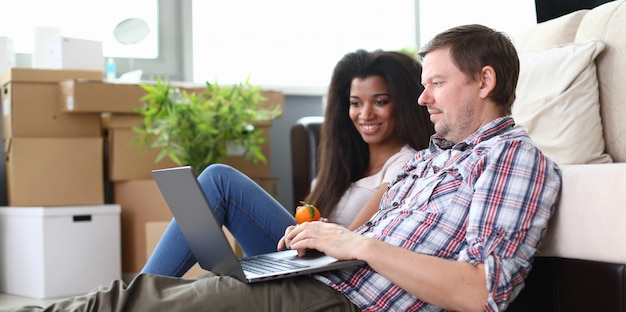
283,243
447,283
329,238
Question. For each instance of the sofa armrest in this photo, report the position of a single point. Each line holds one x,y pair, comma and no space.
590,221
304,136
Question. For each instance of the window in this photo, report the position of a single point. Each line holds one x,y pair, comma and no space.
92,20
287,43
507,16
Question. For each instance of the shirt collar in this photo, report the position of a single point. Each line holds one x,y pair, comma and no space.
486,132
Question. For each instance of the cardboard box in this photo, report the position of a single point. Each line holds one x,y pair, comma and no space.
126,161
88,96
30,105
154,231
58,251
73,53
54,171
141,203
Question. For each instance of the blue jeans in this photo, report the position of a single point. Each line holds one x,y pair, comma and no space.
253,216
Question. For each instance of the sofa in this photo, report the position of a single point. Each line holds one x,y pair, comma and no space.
581,265
571,98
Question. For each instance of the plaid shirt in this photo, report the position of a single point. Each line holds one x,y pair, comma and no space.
484,200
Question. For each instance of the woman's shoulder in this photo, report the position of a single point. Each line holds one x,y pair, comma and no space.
405,153
395,163
400,158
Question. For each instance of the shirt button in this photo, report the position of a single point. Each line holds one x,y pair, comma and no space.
395,204
369,223
414,176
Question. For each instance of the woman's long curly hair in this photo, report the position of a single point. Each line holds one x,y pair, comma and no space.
343,155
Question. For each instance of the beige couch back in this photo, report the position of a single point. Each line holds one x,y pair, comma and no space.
606,22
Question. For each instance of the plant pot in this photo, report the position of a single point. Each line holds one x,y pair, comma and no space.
235,149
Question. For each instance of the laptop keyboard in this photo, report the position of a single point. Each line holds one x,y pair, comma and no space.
264,264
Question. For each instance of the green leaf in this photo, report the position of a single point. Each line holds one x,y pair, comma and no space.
192,128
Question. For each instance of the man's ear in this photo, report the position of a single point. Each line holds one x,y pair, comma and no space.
487,81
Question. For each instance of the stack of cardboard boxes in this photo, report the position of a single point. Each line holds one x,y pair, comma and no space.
127,175
58,227
67,140
52,158
129,168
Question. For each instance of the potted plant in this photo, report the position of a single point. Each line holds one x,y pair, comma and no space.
193,128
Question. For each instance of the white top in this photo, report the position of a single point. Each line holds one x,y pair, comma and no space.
361,191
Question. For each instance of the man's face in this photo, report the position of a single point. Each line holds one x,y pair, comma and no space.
450,96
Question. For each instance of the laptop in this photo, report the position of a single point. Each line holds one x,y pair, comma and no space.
207,241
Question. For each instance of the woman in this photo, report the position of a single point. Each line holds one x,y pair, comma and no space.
372,126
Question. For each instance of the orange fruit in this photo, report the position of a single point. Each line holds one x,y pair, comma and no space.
306,213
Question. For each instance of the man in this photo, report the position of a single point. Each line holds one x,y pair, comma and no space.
457,230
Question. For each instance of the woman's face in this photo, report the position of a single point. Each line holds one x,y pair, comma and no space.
371,110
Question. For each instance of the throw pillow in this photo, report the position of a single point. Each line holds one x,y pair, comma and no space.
558,102
557,31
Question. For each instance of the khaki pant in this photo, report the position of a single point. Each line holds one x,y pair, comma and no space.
206,293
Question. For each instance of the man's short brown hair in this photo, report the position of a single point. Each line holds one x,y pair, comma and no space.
474,46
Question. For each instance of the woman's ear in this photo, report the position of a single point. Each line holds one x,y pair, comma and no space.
487,81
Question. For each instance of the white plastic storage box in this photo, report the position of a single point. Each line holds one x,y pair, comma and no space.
48,252
7,54
73,53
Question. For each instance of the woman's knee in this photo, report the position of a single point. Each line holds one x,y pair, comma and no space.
218,169
217,172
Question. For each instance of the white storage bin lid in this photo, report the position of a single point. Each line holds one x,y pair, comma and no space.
60,210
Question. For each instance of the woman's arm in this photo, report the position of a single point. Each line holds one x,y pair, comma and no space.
369,209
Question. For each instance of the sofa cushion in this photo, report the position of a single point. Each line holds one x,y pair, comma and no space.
589,221
607,22
557,102
557,31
